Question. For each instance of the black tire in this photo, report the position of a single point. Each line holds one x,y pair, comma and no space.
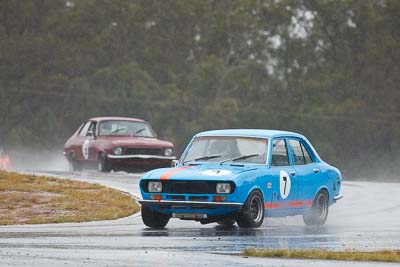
154,219
252,213
74,165
103,164
318,213
228,222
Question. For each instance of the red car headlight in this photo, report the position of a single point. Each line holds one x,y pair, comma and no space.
118,150
168,152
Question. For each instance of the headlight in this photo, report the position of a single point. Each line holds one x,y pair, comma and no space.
117,151
223,188
168,152
155,187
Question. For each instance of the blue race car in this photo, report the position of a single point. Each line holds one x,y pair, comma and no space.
242,176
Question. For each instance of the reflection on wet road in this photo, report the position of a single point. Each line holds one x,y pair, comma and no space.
365,219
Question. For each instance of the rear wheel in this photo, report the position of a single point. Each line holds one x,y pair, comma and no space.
318,213
153,218
252,213
103,164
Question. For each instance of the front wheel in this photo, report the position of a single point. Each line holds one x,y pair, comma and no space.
252,213
318,214
74,164
154,219
103,164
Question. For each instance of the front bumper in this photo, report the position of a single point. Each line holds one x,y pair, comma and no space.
338,197
205,204
140,157
141,161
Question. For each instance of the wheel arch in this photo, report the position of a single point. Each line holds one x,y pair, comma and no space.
325,189
254,188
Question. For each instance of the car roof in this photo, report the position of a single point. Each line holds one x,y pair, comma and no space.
261,133
97,119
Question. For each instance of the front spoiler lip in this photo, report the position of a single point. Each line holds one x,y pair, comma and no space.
145,202
139,157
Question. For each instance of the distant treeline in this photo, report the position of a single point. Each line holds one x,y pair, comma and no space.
326,68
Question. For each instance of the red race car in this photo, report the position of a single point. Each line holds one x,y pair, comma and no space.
116,142
5,162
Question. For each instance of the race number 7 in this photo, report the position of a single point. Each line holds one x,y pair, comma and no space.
285,180
284,184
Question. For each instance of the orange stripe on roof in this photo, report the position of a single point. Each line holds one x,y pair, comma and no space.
168,174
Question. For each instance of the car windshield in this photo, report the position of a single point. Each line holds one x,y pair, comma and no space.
227,149
125,128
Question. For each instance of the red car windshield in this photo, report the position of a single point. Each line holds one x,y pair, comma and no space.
125,128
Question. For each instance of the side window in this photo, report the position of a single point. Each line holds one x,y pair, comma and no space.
84,129
92,128
298,154
279,153
307,157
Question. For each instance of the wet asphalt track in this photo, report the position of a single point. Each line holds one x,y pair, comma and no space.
368,218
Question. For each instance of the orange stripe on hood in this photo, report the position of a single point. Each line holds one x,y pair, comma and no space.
166,175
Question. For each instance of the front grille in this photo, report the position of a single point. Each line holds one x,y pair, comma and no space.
143,151
186,187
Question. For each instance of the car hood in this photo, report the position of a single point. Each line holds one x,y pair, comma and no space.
138,141
199,172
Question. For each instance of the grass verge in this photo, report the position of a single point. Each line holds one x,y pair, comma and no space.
382,255
31,199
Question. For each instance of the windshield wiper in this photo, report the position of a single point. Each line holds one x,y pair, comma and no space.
117,130
239,158
139,131
203,158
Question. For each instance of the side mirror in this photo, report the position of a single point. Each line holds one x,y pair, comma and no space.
174,162
90,133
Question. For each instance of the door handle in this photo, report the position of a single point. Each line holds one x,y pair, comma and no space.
316,170
292,173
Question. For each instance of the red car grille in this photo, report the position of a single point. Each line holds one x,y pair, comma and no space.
143,151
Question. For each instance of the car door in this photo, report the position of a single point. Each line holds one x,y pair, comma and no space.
91,142
284,176
82,144
307,171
